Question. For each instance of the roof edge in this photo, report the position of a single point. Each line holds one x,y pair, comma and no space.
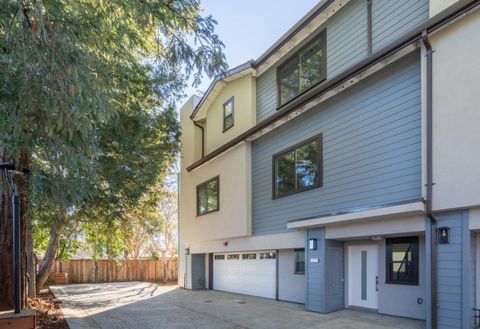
431,25
305,20
220,77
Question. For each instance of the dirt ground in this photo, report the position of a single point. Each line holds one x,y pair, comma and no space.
49,314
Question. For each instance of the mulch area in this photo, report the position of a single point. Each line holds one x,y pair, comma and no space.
49,314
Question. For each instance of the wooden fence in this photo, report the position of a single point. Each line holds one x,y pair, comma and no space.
94,271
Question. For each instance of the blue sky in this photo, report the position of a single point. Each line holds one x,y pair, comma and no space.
249,27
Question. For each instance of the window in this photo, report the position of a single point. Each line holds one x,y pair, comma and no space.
304,70
233,256
267,255
208,196
402,260
298,168
249,256
228,115
299,261
219,257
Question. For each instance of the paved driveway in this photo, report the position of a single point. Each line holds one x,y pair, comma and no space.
147,305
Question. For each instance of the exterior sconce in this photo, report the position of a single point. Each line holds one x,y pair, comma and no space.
312,244
443,235
187,251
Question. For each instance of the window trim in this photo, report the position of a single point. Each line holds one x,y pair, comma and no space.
296,259
415,258
319,139
232,99
217,179
322,35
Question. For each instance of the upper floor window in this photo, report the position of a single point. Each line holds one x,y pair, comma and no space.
298,168
228,115
304,70
402,260
208,196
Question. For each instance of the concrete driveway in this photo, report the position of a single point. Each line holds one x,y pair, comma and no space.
147,305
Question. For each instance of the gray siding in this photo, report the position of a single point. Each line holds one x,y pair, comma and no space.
325,287
392,18
372,151
347,37
473,270
346,45
450,275
315,300
347,40
266,94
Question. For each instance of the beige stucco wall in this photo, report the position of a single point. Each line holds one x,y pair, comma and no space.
437,6
243,91
191,138
456,115
234,217
294,239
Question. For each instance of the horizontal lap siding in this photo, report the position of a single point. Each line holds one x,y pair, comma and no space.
266,94
372,150
450,274
346,45
315,300
347,38
392,18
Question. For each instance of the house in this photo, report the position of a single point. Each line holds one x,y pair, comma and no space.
342,167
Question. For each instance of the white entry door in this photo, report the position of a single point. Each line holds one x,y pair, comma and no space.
363,275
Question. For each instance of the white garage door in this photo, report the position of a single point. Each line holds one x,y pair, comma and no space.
250,273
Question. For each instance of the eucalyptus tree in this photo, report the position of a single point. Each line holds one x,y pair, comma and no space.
85,99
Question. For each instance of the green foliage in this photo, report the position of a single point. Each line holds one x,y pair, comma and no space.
86,94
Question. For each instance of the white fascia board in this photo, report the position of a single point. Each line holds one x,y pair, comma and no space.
403,209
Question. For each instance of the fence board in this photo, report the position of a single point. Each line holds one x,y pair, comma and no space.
91,271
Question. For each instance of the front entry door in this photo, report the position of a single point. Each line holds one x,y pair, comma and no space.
363,275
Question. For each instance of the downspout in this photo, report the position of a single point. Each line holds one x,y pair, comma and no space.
429,174
203,137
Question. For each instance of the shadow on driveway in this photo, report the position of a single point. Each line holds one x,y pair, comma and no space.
148,305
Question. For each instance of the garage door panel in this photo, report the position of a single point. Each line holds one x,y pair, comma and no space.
245,276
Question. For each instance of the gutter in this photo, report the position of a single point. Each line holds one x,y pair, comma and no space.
451,14
429,173
203,137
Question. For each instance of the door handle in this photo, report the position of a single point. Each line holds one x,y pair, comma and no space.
376,283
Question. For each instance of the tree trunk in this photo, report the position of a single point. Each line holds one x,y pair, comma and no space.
7,301
31,263
49,258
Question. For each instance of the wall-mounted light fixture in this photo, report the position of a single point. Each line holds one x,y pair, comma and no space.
443,234
187,251
312,244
